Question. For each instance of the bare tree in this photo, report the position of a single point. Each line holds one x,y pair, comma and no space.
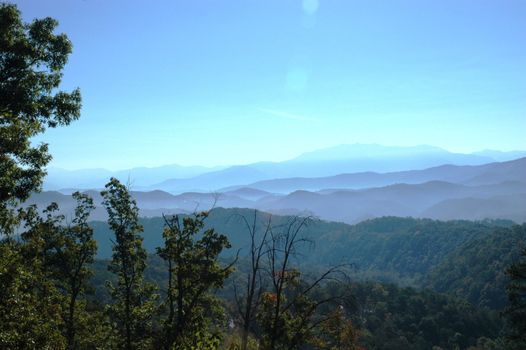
248,302
288,312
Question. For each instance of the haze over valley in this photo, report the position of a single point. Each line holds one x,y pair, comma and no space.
346,183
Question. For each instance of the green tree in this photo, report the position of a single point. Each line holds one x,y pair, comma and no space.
59,257
193,271
76,249
134,299
516,311
31,61
30,303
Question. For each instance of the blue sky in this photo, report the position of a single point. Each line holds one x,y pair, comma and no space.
232,82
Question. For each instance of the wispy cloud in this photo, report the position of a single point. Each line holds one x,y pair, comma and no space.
287,115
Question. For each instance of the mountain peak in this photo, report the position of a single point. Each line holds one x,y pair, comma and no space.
361,150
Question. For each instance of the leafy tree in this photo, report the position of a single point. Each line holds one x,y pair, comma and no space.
337,332
193,271
31,61
59,257
30,303
75,252
134,299
516,311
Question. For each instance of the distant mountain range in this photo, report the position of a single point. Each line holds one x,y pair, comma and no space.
342,159
496,172
69,180
494,190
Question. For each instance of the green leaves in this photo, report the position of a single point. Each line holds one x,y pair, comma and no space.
193,271
134,299
29,314
52,272
516,311
32,57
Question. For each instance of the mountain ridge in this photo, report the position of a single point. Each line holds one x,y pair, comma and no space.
351,158
493,190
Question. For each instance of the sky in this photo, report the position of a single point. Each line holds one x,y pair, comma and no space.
239,81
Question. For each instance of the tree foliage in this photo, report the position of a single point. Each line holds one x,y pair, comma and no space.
30,302
388,317
191,255
76,249
134,299
476,270
31,61
516,311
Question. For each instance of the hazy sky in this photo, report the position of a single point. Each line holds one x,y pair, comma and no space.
229,82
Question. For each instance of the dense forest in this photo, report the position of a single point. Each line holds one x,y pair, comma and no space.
225,279
455,267
462,258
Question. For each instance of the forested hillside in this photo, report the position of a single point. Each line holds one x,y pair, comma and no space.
463,261
462,258
383,315
475,271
